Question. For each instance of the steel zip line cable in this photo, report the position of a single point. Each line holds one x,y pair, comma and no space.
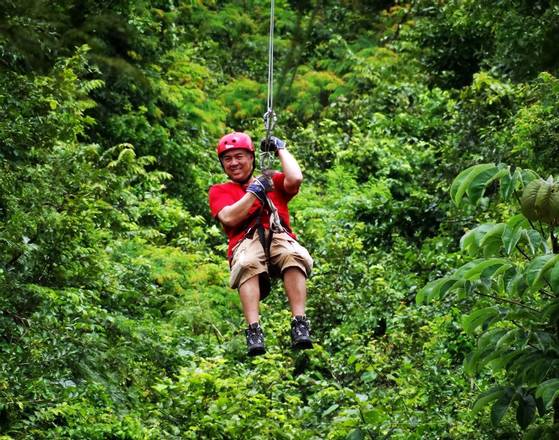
269,116
266,157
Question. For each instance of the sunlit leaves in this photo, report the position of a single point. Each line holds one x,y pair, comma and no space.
516,273
472,182
312,92
245,99
472,271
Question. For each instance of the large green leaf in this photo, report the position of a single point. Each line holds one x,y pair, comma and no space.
356,434
476,359
478,318
436,289
479,183
492,242
547,341
483,267
330,410
532,366
526,410
513,232
470,241
517,285
542,364
554,278
505,359
472,181
508,336
533,239
501,406
490,337
537,268
551,264
551,312
548,391
508,184
487,397
527,175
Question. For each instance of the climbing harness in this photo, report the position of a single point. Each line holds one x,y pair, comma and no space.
276,227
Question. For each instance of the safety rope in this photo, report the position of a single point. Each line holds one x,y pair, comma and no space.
266,162
266,157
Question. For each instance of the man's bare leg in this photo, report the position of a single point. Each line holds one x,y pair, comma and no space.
249,293
296,289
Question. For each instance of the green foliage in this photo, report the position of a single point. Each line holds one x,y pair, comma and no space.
115,315
245,99
515,298
312,91
516,37
72,302
535,125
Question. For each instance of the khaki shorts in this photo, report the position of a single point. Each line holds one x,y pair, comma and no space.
249,258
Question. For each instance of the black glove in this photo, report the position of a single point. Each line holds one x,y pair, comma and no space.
260,186
273,145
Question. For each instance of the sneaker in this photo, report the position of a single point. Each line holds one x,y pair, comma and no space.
301,333
255,340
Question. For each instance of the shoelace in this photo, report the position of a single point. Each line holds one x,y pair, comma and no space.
255,335
299,325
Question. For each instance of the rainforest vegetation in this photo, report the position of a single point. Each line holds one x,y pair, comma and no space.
428,133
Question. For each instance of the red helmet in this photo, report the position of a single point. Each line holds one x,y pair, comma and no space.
234,140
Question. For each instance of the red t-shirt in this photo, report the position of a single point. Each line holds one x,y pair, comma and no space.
225,194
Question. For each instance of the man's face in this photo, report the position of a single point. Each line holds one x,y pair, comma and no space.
237,164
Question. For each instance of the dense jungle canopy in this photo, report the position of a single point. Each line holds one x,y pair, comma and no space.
434,299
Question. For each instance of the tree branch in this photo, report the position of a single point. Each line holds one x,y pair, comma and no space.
522,251
508,301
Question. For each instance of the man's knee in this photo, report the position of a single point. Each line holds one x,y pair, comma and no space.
295,271
289,253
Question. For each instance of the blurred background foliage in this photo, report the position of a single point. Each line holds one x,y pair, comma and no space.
115,316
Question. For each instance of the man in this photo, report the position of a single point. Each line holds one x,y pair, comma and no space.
258,246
